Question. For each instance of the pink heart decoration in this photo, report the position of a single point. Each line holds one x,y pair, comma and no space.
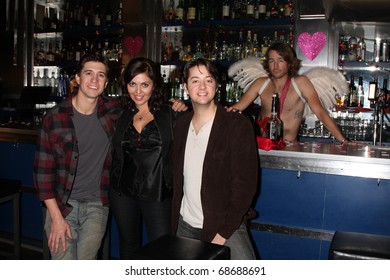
311,46
133,45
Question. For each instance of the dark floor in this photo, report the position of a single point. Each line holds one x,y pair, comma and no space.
6,253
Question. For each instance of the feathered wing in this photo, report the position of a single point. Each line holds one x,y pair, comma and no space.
245,71
327,82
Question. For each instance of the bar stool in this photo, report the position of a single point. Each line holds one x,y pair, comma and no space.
359,246
10,191
170,247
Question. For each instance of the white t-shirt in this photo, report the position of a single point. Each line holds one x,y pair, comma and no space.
196,146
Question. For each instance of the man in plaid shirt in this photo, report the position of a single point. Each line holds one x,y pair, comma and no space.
72,163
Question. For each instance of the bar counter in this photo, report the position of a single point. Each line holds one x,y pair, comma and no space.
365,161
18,135
307,191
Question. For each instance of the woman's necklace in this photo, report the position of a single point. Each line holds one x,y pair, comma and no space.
141,117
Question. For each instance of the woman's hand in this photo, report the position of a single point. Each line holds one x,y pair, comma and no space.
232,109
178,105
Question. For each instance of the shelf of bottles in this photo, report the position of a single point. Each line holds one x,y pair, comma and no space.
360,53
363,58
64,30
224,31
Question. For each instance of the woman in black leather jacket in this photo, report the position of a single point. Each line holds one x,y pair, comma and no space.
141,174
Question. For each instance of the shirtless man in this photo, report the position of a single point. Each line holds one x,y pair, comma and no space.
294,91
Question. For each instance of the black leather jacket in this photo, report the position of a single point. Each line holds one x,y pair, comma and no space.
165,119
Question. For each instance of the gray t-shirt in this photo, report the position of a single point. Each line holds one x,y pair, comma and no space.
93,146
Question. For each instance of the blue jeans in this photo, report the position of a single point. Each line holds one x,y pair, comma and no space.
130,213
88,223
239,243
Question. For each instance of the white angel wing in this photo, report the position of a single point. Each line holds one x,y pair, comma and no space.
246,70
327,82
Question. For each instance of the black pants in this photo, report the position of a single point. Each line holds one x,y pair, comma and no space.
130,213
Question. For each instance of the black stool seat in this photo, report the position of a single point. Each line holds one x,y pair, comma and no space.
169,247
359,246
9,187
10,191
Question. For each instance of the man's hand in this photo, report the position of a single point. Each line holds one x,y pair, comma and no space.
218,239
178,105
59,230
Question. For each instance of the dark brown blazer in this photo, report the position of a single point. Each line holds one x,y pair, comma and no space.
230,172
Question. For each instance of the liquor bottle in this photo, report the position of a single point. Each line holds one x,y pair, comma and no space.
67,23
243,9
62,86
226,9
119,13
264,48
248,48
170,13
46,19
256,12
215,53
361,50
212,10
57,53
238,51
386,94
352,96
236,9
352,48
384,51
180,11
376,53
98,16
53,84
54,21
78,52
41,55
360,93
198,50
275,10
288,9
202,10
46,79
250,9
268,9
39,81
108,17
78,14
191,11
88,17
262,9
87,47
50,57
36,77
274,124
256,47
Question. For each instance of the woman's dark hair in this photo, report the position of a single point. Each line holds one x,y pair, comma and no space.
210,66
288,54
95,57
138,66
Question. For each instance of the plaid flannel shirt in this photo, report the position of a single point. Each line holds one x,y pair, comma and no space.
56,156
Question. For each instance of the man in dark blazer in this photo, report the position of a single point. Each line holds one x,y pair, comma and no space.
215,167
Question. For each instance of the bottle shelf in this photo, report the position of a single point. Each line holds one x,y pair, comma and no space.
113,29
270,22
222,63
363,65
